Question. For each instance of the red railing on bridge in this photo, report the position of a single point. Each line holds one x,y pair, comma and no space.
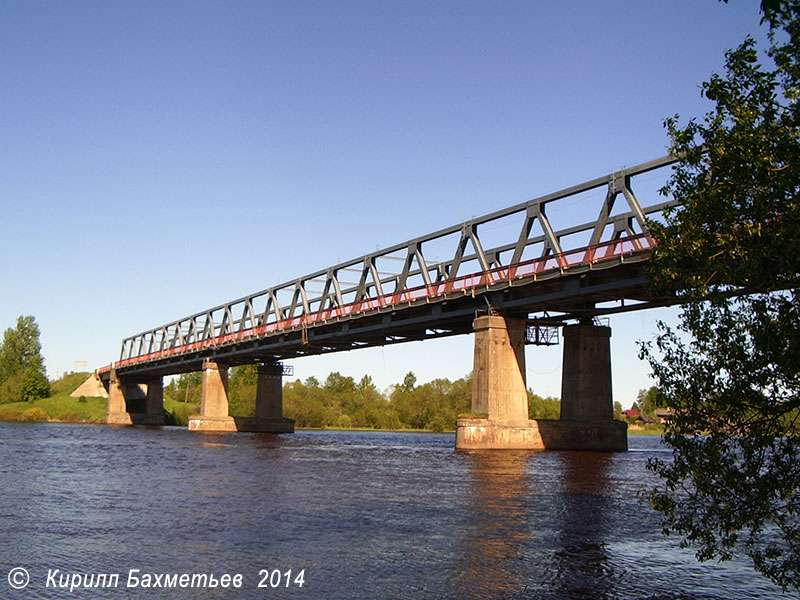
540,268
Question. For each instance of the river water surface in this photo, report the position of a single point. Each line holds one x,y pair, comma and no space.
356,515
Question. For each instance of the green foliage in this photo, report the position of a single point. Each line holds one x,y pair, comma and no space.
434,405
731,370
22,372
543,408
68,383
242,386
34,383
342,402
187,388
11,389
618,414
649,400
178,413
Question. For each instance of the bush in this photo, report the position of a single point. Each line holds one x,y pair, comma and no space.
34,414
9,414
440,423
343,421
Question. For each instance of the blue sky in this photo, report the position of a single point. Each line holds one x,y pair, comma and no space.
160,158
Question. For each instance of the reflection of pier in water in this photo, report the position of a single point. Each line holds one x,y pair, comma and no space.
522,503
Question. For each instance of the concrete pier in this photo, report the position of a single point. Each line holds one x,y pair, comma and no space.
125,397
117,406
214,414
498,376
586,380
500,393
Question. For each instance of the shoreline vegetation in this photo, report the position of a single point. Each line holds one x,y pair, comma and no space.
60,407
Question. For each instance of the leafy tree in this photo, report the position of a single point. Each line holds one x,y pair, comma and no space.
618,411
543,408
22,372
409,381
731,370
188,387
242,389
650,399
434,405
304,403
336,383
34,381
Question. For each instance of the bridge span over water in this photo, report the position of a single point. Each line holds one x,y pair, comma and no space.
510,276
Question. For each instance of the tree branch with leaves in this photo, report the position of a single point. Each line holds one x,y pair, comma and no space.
730,251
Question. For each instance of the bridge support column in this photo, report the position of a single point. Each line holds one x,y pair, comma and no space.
269,393
154,412
268,417
499,393
214,402
498,374
125,397
117,406
586,381
587,409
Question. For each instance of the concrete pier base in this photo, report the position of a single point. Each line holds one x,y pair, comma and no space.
541,434
125,397
214,417
499,392
231,424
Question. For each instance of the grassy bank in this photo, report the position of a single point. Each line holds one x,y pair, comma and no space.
646,429
61,407
57,408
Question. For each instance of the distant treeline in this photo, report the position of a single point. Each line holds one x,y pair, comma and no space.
341,401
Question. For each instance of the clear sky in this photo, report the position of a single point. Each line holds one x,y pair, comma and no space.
160,158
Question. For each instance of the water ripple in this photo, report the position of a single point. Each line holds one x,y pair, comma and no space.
367,515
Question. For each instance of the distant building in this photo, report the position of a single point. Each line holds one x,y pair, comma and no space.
663,414
631,413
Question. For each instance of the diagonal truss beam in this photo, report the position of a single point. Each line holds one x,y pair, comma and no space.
394,275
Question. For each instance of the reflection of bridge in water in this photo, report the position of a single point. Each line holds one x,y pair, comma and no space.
511,277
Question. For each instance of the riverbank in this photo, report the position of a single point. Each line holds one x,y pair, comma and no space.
61,408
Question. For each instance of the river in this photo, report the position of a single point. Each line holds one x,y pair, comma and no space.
329,515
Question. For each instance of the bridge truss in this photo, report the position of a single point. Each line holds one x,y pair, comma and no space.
513,259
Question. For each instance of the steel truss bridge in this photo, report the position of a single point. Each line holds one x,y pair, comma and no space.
512,261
